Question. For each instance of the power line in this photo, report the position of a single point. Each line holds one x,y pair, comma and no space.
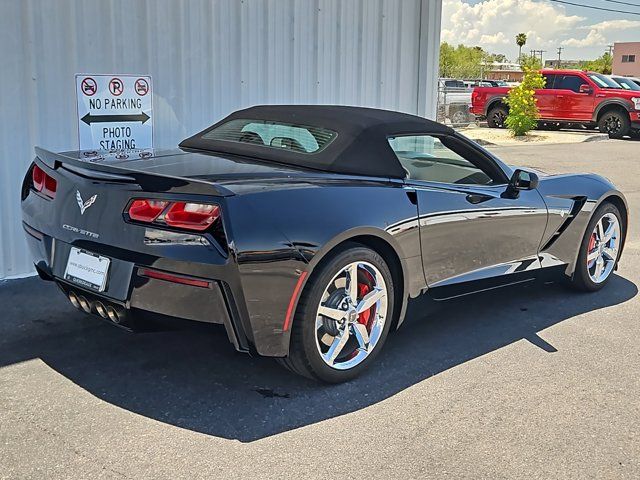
623,3
595,8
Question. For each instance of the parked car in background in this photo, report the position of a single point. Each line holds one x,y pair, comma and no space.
454,102
485,83
628,83
477,83
570,97
452,83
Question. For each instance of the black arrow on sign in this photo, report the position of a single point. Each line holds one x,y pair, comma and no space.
89,119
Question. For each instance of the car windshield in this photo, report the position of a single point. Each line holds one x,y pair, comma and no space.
627,83
603,81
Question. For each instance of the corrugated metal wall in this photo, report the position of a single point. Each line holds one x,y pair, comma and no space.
207,58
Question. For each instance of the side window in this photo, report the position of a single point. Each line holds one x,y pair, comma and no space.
549,80
569,82
426,158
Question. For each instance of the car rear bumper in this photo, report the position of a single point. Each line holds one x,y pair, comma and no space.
130,292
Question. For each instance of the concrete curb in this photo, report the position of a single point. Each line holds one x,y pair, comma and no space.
596,137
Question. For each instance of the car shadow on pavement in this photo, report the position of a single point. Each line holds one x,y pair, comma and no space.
198,382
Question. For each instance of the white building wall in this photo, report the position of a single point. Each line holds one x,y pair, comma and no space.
207,58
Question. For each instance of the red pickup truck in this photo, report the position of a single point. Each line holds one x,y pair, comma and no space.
575,97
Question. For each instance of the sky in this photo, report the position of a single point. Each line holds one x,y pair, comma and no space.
582,32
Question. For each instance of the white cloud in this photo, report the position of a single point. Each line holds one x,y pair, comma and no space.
493,24
608,25
600,33
593,38
496,39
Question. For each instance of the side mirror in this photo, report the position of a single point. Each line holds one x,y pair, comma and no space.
584,88
521,180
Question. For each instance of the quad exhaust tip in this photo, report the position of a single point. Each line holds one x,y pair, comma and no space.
84,304
108,312
73,298
102,311
113,315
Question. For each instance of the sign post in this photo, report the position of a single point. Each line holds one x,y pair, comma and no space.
115,112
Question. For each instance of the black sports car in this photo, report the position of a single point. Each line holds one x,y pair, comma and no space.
306,230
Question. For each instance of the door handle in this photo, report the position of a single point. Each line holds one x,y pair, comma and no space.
559,96
476,198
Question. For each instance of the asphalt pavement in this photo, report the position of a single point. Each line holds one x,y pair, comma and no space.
525,382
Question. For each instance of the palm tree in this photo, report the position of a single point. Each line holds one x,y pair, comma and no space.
521,40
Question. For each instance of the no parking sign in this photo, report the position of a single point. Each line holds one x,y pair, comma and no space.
115,112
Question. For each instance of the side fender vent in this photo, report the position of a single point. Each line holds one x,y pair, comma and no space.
578,203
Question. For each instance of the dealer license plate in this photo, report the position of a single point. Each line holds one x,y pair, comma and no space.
87,269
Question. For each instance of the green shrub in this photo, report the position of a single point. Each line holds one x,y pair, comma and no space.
523,109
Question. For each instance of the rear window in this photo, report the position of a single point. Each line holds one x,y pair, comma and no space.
278,135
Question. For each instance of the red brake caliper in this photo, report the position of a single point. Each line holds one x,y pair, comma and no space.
366,318
592,244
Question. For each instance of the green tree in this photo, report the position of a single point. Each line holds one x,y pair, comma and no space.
461,61
523,109
521,41
497,57
601,64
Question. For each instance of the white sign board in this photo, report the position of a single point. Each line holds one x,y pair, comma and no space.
115,112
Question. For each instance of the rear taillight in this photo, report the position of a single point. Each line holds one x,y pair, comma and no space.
144,210
43,183
180,215
192,216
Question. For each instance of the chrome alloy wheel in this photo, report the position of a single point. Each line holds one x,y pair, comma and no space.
351,315
603,247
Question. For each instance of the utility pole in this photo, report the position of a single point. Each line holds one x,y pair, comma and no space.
610,49
534,54
559,53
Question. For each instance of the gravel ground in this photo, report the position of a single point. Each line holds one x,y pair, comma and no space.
535,382
501,137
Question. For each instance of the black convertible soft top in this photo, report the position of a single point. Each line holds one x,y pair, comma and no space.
360,147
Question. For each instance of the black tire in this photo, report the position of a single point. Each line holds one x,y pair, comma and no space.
581,279
459,117
497,115
635,134
304,357
616,123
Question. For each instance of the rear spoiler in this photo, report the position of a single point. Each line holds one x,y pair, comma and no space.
120,173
